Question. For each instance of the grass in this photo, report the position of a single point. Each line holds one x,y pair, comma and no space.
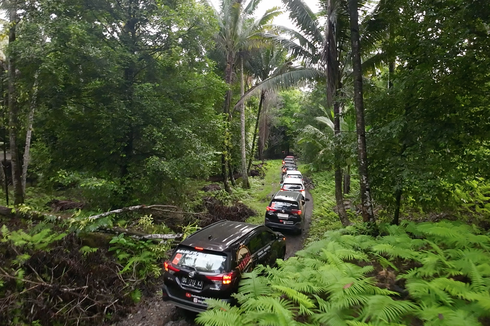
261,190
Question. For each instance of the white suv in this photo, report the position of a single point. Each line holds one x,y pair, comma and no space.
294,184
294,174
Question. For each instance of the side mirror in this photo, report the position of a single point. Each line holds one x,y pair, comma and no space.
307,199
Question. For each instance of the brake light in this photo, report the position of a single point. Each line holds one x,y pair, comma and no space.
227,278
224,278
167,266
283,162
270,209
296,211
199,248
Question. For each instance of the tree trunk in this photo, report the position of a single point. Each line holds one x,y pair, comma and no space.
262,96
339,196
231,173
226,110
347,180
243,144
333,85
4,170
367,207
396,215
14,112
30,121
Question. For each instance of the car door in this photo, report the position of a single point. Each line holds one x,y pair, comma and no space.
271,250
260,245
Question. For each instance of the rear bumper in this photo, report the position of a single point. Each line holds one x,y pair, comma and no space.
280,226
193,303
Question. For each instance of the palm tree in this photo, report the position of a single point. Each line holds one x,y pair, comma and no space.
238,31
264,63
320,60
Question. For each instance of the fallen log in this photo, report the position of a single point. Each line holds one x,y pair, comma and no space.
160,208
140,235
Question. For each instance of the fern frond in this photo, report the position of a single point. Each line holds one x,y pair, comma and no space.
385,262
252,285
446,316
220,313
273,311
479,281
332,317
395,252
482,298
427,293
382,308
346,253
304,302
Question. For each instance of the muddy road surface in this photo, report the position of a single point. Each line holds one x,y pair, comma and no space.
155,312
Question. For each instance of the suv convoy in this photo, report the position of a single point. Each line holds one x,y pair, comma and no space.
209,263
286,211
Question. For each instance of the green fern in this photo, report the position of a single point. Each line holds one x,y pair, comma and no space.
434,314
330,281
381,308
221,314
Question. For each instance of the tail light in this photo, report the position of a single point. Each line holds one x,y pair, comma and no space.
296,211
270,209
167,266
224,278
283,162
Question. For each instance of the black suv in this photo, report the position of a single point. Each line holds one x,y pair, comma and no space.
286,211
209,263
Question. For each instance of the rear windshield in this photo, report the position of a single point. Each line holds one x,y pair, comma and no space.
283,205
289,186
199,260
294,176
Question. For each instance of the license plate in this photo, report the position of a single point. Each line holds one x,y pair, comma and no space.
282,215
198,299
288,222
190,282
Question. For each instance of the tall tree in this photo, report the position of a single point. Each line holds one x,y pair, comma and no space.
366,201
238,31
332,59
264,63
13,105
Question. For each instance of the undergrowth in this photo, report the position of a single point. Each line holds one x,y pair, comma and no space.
324,216
417,273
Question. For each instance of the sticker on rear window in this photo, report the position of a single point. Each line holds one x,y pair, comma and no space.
176,259
243,258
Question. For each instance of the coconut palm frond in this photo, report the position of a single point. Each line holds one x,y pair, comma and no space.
283,81
304,18
296,50
251,6
269,15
